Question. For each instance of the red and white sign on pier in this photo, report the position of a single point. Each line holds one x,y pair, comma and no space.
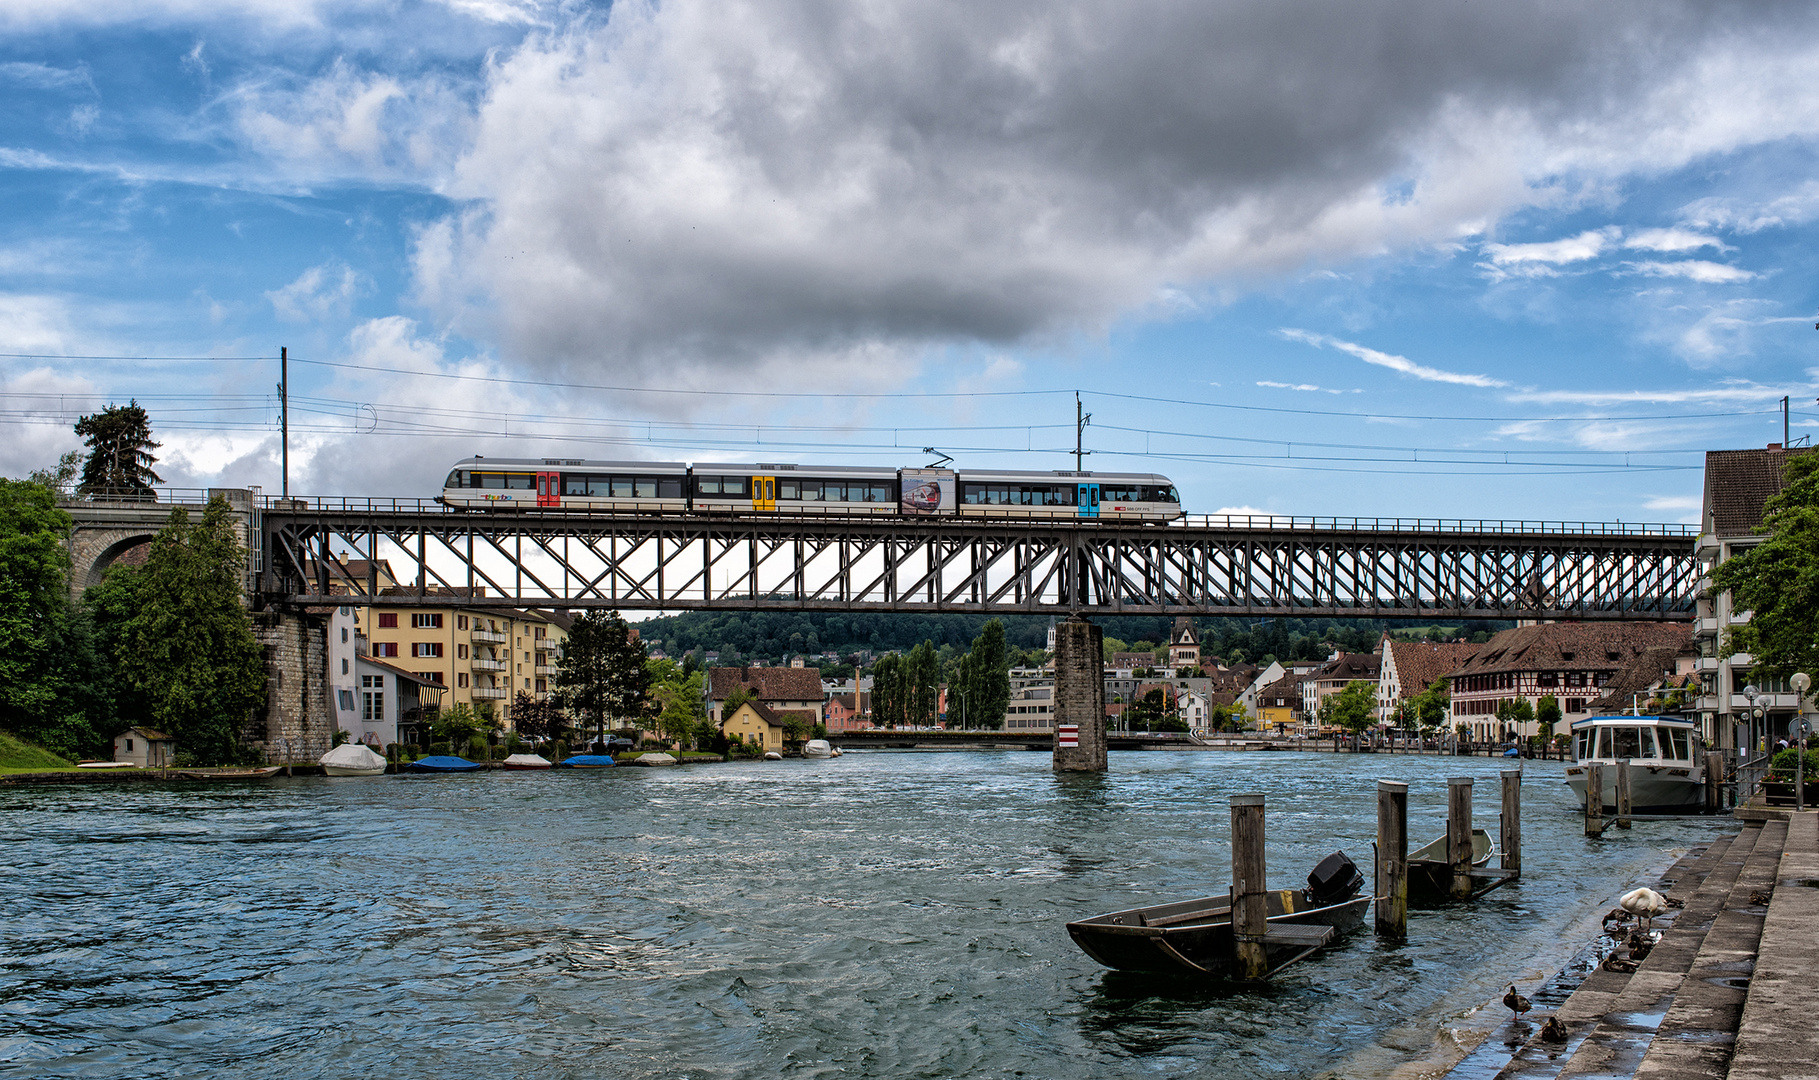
1067,735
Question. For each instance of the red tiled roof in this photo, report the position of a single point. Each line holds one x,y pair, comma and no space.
1737,483
1571,647
770,684
1351,666
1645,671
1419,663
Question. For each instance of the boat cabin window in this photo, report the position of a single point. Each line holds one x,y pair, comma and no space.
1675,743
1626,742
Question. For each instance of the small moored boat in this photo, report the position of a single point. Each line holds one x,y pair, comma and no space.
587,761
443,763
1430,875
1195,936
265,772
652,760
525,762
352,759
817,748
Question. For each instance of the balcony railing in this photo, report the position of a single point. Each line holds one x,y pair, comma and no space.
1705,627
1706,663
546,669
482,664
490,693
489,637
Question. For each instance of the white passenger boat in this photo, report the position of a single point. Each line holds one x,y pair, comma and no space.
1667,773
817,748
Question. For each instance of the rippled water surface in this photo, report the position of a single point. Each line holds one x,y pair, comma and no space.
878,915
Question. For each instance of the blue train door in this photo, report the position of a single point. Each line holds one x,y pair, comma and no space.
1088,500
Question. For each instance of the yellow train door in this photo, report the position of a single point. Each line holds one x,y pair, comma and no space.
764,494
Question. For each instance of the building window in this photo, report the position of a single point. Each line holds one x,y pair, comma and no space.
385,648
374,706
542,686
344,665
426,620
129,746
388,620
461,622
537,632
460,678
344,635
430,676
1575,705
426,648
346,698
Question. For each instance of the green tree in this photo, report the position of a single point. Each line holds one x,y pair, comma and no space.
120,458
601,672
1547,716
1431,706
537,719
182,638
61,477
988,681
1515,712
890,707
459,723
53,682
1352,708
1151,712
680,704
1778,579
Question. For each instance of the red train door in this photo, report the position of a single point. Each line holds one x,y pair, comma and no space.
549,489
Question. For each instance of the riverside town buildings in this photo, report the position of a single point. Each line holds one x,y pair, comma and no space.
1737,484
1570,662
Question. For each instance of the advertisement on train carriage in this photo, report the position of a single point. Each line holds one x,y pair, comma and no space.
929,491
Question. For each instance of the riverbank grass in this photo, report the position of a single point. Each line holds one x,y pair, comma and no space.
17,755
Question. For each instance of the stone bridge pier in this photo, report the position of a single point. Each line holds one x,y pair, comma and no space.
296,723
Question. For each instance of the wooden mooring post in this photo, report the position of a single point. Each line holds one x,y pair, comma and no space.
1459,835
1392,859
1250,907
1512,822
1714,781
1594,800
1623,794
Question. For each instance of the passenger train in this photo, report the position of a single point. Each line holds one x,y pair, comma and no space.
517,484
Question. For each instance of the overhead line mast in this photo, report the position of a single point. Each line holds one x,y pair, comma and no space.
1081,419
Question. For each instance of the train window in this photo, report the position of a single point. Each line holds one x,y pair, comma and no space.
707,485
879,493
789,489
490,480
455,480
574,484
735,485
646,487
621,487
521,481
833,491
669,487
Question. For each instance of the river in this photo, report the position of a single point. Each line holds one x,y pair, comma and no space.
877,915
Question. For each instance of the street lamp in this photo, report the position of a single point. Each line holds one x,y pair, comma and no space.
1799,680
1749,695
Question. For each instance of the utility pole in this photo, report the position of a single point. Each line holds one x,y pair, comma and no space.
1080,421
284,414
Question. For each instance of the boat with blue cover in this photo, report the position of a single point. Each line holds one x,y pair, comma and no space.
587,761
439,763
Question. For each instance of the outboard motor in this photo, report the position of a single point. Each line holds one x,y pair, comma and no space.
1334,881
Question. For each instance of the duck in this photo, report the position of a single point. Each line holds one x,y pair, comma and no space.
1759,898
1621,967
1644,903
1553,1031
1516,1003
1640,946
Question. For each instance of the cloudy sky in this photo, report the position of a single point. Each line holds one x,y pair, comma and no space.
1521,259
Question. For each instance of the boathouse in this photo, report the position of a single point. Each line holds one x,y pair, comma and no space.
144,747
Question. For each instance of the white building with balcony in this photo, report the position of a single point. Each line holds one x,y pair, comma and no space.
1737,485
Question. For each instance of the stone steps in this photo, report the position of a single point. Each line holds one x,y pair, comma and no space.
1777,1038
1612,1017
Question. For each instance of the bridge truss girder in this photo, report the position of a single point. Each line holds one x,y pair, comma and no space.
889,564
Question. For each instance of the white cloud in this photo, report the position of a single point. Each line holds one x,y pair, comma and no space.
1688,509
45,77
1700,270
318,293
1672,240
1400,364
1728,391
1587,245
1306,387
696,185
1797,207
1242,511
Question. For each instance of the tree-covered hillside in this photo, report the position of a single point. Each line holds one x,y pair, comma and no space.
774,636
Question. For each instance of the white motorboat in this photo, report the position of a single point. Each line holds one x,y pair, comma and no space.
1667,773
525,762
352,759
818,748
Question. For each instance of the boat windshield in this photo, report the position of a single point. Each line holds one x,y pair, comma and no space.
1675,743
1618,743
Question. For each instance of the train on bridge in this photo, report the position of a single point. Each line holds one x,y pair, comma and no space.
563,484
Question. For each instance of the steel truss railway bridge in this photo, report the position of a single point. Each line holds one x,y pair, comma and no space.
1232,566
